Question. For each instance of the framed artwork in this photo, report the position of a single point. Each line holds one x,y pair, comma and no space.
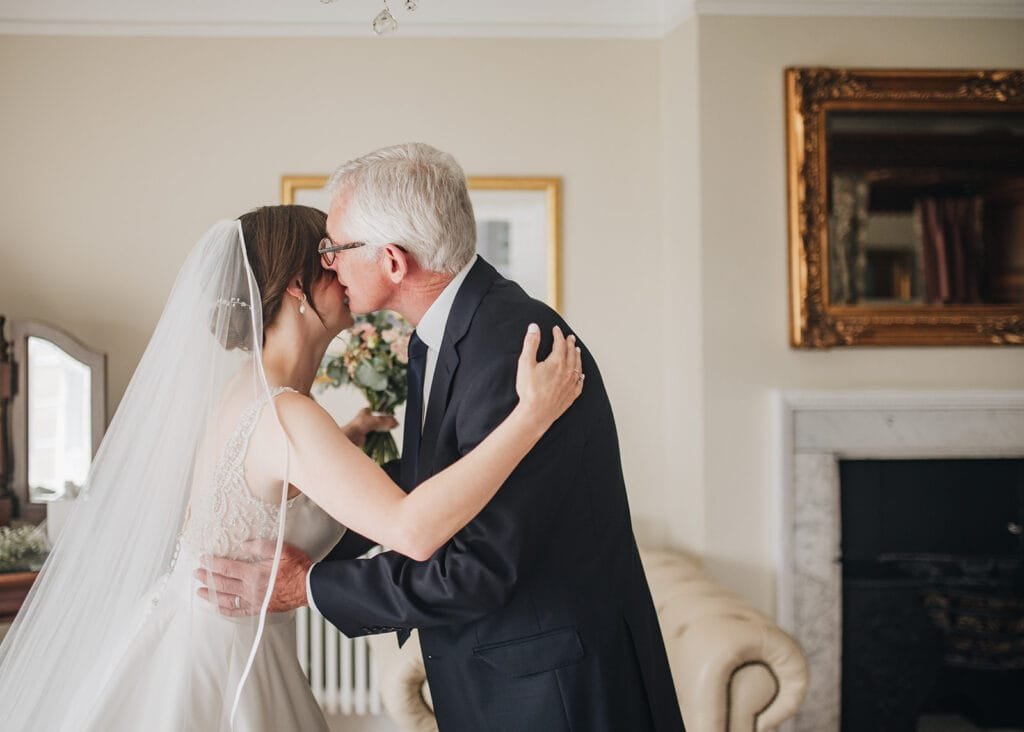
518,225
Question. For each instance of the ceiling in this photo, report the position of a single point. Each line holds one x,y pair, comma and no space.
440,18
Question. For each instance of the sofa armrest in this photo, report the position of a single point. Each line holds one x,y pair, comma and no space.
403,682
733,667
752,689
736,674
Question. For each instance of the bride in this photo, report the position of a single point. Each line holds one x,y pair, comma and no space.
197,462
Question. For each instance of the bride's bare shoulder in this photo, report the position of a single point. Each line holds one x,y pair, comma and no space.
300,414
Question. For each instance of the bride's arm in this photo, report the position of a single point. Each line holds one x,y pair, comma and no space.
337,476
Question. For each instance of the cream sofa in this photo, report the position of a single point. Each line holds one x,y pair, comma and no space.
734,668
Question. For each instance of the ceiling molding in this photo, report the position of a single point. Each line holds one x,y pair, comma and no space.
603,19
674,12
332,30
1011,9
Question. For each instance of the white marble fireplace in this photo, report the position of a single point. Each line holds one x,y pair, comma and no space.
817,430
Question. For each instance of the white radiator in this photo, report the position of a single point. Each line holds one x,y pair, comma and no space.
341,670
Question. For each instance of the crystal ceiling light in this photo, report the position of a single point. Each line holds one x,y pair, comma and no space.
384,23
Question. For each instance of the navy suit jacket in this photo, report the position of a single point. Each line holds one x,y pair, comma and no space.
537,615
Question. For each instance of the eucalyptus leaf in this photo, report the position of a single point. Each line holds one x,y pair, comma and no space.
370,377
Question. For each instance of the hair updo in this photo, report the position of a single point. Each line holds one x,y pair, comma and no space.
231,322
280,244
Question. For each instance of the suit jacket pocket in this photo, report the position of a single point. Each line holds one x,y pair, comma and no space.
533,654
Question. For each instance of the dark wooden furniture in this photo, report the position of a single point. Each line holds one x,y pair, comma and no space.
14,587
6,392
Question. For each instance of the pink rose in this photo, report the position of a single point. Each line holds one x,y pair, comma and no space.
400,347
368,333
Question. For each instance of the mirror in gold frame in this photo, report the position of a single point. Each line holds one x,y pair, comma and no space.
906,207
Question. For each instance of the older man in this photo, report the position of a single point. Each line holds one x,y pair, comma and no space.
537,615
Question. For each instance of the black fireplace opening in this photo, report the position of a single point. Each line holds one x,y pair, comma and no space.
933,593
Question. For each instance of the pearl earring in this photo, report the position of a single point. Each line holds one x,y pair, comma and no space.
302,306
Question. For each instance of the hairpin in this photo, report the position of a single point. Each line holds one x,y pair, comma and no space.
233,302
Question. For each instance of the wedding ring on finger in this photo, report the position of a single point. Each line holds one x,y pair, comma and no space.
237,603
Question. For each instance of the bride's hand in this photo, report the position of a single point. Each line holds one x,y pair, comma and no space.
547,388
366,422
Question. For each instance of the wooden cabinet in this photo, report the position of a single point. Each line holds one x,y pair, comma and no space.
14,586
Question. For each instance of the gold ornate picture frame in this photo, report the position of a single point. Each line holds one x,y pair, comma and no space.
519,225
815,99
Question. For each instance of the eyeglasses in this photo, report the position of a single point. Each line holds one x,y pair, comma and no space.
328,248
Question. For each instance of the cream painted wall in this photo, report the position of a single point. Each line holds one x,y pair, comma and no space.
682,484
745,343
119,152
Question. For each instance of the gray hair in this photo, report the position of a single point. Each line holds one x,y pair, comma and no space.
412,195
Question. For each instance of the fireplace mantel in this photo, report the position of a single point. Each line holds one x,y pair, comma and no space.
816,431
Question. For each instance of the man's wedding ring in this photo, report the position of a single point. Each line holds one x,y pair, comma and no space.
238,603
580,376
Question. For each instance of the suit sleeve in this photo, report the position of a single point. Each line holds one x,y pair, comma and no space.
476,572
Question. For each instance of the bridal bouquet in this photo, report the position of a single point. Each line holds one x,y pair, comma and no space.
374,360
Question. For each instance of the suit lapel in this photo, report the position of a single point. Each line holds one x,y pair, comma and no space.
477,283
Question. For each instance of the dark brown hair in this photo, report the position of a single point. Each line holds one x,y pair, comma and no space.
280,243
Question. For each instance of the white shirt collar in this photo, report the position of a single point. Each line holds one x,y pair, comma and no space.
432,324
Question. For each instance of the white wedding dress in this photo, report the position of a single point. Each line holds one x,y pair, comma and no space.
178,667
112,636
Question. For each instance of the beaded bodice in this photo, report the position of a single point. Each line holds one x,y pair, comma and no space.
226,514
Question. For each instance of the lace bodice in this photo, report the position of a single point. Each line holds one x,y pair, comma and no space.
227,514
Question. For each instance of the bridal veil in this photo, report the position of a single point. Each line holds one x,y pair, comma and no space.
108,572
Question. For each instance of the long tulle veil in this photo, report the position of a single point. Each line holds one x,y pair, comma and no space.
107,574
